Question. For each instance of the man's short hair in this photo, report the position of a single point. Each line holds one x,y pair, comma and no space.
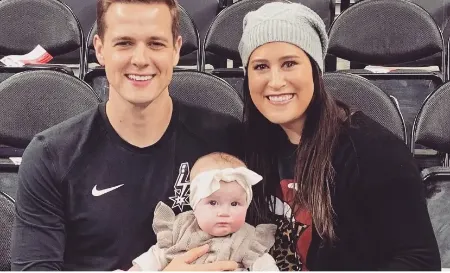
103,6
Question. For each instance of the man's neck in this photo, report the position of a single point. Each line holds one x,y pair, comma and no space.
140,125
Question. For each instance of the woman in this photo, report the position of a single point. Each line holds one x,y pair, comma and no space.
344,191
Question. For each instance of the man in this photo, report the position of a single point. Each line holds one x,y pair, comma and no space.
88,186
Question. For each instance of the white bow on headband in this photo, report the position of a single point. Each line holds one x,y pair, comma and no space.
206,183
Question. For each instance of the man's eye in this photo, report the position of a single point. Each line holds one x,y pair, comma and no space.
156,44
124,43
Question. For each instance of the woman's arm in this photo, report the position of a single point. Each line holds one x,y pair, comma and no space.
396,206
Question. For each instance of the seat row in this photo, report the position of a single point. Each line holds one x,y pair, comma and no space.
415,40
33,101
63,33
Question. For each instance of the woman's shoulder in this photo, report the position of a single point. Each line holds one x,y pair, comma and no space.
368,135
376,150
361,127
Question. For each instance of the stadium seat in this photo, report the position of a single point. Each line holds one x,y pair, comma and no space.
431,126
96,78
6,72
407,33
360,94
437,183
33,101
85,11
188,31
191,87
206,91
6,225
9,177
432,129
24,24
345,4
325,8
203,13
440,11
221,41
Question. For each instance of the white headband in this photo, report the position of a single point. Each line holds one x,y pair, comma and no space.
206,183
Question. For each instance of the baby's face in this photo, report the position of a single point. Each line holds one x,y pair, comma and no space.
224,211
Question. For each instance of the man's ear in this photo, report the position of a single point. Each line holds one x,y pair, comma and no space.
177,48
98,45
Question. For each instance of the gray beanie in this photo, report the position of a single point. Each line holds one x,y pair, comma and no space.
284,22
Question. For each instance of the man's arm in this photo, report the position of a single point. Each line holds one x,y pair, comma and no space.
38,238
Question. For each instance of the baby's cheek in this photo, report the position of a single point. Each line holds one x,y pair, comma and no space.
206,224
239,219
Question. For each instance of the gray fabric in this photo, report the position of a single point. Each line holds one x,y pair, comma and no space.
440,11
9,183
27,23
33,101
433,121
85,11
6,224
178,234
202,12
222,42
410,93
284,22
439,209
360,94
369,33
206,91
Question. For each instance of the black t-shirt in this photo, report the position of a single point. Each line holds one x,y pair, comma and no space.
86,197
381,218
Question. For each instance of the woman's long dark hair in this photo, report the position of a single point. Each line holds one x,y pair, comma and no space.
313,171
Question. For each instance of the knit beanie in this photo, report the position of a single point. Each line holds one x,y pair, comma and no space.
284,22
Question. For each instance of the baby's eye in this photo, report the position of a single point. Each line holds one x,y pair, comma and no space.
212,203
234,204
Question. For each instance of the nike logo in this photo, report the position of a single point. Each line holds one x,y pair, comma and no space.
96,192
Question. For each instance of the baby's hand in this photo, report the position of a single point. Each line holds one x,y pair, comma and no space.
183,262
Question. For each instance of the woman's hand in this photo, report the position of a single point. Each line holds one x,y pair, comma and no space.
183,262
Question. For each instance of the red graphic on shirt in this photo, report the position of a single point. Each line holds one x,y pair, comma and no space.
302,216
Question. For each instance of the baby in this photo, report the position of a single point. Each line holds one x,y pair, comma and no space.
220,193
